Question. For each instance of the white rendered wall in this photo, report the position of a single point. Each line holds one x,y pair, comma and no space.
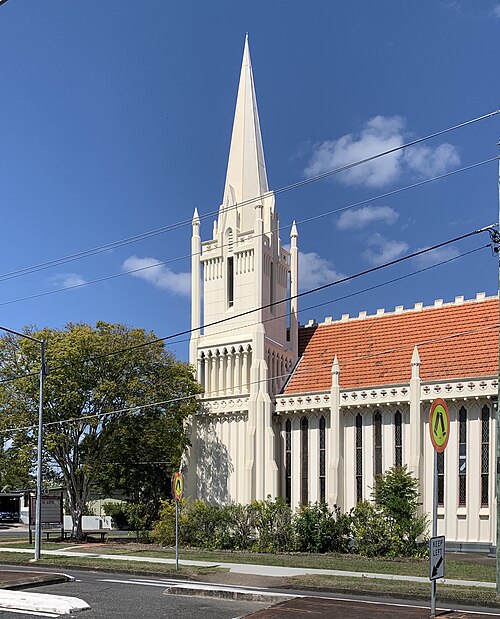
472,523
220,450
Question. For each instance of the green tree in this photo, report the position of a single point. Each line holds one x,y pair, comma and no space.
96,376
396,493
143,451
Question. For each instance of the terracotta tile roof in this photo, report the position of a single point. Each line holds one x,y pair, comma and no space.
377,350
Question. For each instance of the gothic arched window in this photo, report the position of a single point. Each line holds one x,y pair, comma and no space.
322,459
359,458
304,457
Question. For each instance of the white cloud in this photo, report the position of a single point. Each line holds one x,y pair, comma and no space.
159,275
66,280
453,5
427,161
361,217
495,11
381,249
379,134
436,255
315,271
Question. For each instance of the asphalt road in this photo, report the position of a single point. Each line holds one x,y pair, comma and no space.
115,595
122,596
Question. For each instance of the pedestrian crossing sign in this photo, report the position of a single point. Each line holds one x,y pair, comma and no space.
177,486
439,425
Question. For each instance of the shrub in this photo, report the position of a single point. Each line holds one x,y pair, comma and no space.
118,514
202,525
242,526
138,519
205,525
164,529
273,524
319,529
130,516
371,530
396,492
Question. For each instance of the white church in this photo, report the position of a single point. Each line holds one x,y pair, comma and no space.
314,412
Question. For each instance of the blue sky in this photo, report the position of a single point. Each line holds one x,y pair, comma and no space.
116,119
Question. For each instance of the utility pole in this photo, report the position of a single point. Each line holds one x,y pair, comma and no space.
495,237
38,508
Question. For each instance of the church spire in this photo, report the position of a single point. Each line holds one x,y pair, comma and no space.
246,169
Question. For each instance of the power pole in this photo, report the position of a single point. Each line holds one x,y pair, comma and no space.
495,237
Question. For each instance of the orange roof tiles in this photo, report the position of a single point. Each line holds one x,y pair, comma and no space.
454,341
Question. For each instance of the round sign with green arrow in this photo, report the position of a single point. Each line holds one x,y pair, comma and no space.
439,425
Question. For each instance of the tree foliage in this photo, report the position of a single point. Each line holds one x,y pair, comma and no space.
96,428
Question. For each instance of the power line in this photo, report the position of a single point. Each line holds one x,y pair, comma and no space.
185,256
342,298
290,187
136,408
285,300
353,294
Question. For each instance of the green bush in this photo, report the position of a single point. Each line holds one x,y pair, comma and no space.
273,525
205,525
118,514
138,519
163,532
371,530
319,529
201,525
129,516
396,492
242,526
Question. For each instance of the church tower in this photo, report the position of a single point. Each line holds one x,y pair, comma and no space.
244,340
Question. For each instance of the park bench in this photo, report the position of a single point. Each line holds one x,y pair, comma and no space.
87,535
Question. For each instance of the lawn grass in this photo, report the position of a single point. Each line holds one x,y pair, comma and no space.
455,568
91,563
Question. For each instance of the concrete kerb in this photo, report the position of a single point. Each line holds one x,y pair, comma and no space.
260,570
229,593
40,602
12,580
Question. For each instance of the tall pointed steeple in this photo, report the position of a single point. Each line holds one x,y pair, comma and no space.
246,175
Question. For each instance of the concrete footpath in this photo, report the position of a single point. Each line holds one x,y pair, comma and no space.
245,568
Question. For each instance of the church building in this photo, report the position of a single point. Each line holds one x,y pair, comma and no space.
314,412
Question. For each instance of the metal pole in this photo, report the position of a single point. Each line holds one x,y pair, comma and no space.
434,527
176,535
497,420
38,508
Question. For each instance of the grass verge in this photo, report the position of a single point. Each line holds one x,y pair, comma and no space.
91,563
456,568
473,596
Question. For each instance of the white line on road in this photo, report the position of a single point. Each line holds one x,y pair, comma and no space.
27,612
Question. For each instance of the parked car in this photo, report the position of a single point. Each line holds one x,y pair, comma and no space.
10,516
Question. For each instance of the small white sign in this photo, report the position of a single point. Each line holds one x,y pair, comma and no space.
436,557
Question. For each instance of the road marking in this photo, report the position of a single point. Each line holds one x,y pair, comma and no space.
400,605
27,612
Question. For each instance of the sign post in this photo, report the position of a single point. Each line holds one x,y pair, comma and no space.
177,490
439,430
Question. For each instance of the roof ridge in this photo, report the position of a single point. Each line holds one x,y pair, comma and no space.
399,309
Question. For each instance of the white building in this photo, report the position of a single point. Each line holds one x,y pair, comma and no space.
313,413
